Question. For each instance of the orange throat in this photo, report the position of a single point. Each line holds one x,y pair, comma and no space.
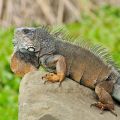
19,67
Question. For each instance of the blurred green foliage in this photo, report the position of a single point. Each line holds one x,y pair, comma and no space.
100,27
9,83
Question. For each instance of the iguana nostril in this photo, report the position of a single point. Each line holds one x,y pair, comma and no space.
18,30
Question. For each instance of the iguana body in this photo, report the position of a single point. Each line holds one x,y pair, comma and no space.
37,46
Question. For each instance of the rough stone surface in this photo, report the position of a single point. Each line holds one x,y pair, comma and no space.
71,101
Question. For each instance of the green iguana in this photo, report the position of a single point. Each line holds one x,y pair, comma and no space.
90,66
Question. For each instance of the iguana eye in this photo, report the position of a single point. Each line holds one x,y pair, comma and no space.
31,49
26,31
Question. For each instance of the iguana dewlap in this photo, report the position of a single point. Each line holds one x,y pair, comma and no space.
37,47
20,67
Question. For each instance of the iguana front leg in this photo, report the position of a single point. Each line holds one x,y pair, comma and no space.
59,62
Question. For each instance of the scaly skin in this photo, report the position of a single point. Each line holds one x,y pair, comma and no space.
19,66
36,46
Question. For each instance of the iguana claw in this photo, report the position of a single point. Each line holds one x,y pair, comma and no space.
104,107
51,77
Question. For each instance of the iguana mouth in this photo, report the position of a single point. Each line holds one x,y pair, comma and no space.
22,63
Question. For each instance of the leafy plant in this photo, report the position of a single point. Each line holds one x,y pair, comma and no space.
9,83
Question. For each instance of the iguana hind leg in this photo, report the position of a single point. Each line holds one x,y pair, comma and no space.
103,91
59,62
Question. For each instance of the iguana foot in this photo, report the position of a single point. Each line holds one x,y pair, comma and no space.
52,77
104,107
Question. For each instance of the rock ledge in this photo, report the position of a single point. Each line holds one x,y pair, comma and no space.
71,101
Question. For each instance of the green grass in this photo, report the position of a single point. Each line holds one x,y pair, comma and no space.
102,28
9,83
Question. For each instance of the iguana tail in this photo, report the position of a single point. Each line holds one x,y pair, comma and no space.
116,90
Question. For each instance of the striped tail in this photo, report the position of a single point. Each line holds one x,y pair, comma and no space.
116,90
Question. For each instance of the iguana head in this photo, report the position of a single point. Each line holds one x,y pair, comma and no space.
29,45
